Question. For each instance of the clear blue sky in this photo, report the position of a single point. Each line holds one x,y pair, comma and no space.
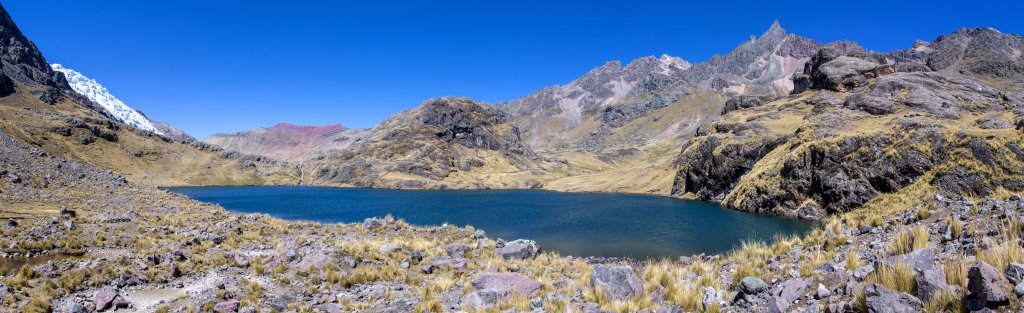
221,66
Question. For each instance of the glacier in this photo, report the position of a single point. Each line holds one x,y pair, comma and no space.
92,89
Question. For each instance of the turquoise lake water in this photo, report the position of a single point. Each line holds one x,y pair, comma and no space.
578,224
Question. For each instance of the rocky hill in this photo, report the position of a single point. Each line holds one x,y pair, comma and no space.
622,107
291,143
943,117
446,142
41,109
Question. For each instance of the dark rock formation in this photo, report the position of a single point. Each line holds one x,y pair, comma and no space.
710,167
987,287
884,300
22,61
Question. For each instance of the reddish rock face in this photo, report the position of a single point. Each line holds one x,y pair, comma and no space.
288,142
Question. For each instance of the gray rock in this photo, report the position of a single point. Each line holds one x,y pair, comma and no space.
617,282
777,304
1019,290
931,282
883,300
519,249
752,285
75,307
481,299
104,298
456,250
229,306
822,292
428,269
791,290
986,287
241,260
505,283
994,122
389,249
710,297
1015,273
536,303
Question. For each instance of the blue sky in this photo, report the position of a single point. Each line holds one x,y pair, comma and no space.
222,66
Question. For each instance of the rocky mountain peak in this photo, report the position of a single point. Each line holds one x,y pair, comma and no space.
22,60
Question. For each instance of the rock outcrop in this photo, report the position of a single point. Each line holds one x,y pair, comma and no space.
440,138
865,128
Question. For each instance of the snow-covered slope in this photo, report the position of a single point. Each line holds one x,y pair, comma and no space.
97,93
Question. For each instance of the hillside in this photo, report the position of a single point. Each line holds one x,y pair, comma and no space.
941,118
444,143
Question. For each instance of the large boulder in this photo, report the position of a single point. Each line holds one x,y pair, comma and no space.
784,296
986,287
616,282
519,249
884,300
230,306
752,285
104,298
506,283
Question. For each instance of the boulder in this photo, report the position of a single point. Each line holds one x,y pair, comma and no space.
104,298
616,282
752,285
791,290
241,260
230,306
931,282
710,297
505,283
519,249
986,287
879,299
777,305
822,292
457,250
481,299
1015,273
75,307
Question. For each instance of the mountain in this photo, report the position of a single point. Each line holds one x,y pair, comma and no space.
97,93
289,142
448,142
612,106
41,109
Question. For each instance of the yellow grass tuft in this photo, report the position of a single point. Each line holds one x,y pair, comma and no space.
909,240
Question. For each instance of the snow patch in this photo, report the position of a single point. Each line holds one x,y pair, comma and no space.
97,93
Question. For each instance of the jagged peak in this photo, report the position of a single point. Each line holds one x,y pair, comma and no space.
774,30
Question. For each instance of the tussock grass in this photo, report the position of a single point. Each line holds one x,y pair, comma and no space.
956,272
853,262
1001,255
909,240
899,277
956,226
